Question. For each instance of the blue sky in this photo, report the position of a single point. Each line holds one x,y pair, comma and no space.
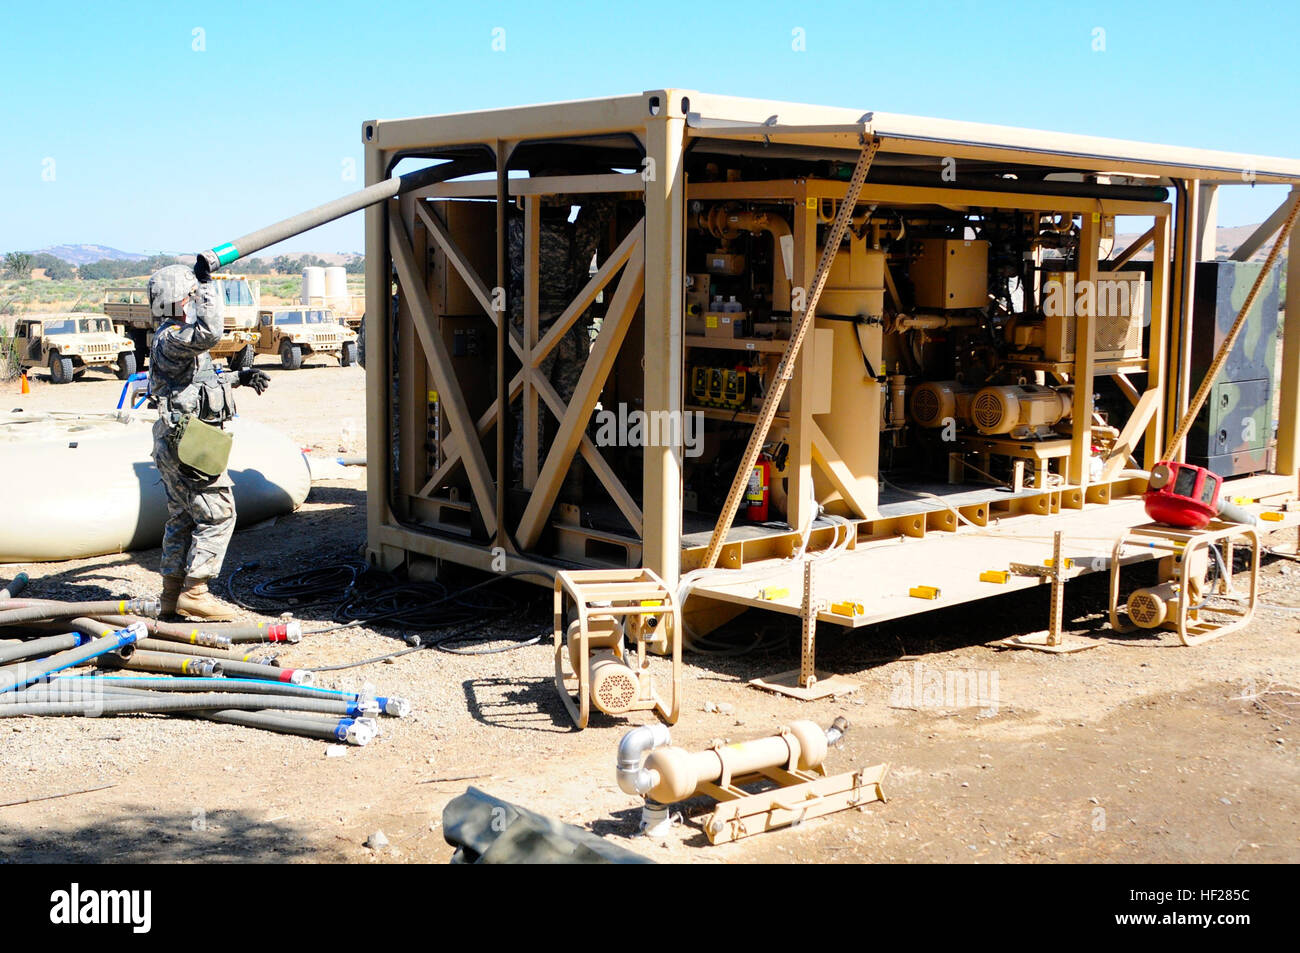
118,131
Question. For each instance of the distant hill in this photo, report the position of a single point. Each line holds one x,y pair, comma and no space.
1226,241
81,254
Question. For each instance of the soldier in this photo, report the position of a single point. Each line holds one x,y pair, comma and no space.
186,387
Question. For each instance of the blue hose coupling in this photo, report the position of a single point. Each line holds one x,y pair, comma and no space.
358,732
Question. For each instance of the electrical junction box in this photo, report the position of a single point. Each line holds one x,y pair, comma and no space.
951,273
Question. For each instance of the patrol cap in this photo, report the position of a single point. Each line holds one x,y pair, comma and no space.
169,285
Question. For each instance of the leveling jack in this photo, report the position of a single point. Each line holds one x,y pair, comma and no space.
788,763
805,683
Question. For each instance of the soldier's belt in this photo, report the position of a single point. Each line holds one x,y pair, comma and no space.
201,446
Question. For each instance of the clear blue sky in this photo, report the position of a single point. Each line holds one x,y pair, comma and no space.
158,147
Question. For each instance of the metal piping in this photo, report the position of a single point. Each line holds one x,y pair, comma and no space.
633,777
726,223
931,322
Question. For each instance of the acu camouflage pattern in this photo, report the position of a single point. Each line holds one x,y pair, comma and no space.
1233,434
200,509
564,262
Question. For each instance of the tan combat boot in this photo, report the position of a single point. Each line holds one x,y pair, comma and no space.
172,586
195,602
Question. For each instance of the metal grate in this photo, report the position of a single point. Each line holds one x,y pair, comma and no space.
925,406
1144,609
988,411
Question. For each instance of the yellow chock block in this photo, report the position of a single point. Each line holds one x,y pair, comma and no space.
848,608
1271,516
1244,500
774,592
924,592
1000,576
1069,562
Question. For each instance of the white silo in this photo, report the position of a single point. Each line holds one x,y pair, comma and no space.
336,288
313,285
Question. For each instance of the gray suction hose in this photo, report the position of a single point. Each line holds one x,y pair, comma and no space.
11,651
353,731
15,587
42,701
164,662
176,632
24,673
36,611
210,261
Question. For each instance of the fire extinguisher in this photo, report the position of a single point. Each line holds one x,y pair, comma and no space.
760,481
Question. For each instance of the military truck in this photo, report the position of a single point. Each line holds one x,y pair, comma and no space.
68,344
129,307
294,331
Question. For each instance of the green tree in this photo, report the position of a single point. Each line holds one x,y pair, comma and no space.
56,269
17,264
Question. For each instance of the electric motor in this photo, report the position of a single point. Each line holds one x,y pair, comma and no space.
934,402
1009,408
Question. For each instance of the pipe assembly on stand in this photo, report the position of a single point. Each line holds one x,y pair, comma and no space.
650,767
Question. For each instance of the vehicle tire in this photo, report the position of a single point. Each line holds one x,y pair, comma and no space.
125,365
348,356
60,368
290,356
241,360
361,343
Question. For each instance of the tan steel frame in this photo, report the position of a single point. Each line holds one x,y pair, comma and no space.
632,597
1191,627
664,121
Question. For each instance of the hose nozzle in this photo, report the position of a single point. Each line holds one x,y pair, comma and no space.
837,730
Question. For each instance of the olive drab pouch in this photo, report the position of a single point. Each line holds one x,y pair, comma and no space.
202,447
216,403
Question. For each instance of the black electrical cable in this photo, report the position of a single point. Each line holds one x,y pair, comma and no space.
370,596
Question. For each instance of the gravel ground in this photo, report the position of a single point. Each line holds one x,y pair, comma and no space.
1140,750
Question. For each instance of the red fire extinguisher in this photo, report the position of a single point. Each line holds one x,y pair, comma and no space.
760,481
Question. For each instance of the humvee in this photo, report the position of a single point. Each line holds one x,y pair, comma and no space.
295,330
69,343
240,299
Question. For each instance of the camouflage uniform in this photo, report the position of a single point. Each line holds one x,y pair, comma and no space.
183,380
564,261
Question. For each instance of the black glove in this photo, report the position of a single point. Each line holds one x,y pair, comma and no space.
251,377
205,263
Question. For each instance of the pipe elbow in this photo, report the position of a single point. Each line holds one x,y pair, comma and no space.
633,778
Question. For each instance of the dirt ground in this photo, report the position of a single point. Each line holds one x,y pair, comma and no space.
1138,751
